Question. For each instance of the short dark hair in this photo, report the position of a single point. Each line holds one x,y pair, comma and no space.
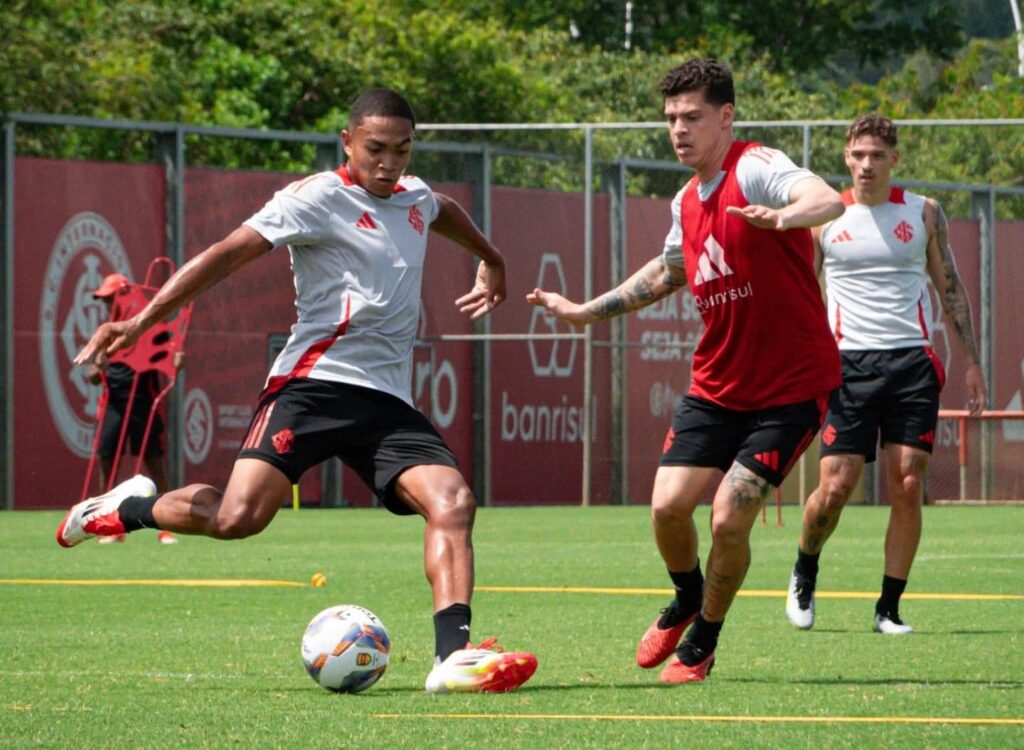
380,103
876,125
700,73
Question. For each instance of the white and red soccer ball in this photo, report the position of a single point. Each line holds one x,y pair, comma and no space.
346,648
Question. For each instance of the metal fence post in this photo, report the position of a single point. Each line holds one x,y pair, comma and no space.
478,174
614,184
170,154
588,291
983,208
7,318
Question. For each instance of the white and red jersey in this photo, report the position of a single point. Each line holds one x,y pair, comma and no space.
358,265
875,261
766,340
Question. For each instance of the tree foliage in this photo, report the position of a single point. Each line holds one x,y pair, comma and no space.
297,64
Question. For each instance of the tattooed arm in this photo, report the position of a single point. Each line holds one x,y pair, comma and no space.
652,282
953,297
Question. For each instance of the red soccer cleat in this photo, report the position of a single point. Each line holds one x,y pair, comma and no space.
676,671
658,644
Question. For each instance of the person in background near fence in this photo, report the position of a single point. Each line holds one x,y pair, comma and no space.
357,240
762,370
116,378
877,259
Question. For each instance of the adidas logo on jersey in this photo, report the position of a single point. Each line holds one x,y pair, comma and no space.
711,263
366,221
843,236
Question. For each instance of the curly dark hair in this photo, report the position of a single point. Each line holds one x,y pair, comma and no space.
380,103
876,125
700,73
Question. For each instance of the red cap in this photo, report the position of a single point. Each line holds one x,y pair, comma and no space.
110,286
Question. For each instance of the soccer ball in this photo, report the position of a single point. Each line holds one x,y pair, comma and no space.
346,648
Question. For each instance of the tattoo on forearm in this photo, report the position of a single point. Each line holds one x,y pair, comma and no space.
954,300
624,299
608,305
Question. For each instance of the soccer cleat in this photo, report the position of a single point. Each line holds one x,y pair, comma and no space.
658,643
481,669
112,539
891,625
800,602
99,516
677,671
166,537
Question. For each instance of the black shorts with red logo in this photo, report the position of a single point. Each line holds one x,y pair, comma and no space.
890,396
767,441
375,434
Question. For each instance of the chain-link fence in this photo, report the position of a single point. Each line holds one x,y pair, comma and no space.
536,411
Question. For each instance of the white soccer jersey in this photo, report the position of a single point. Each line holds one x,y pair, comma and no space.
875,263
358,265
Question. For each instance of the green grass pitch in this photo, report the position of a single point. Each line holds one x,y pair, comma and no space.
141,665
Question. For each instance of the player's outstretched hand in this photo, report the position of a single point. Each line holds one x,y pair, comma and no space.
109,338
760,216
558,306
976,394
487,293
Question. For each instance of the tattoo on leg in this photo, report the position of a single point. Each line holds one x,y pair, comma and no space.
746,489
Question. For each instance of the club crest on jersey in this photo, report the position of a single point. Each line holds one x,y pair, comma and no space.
416,219
903,231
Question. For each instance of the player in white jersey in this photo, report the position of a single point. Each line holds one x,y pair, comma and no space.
877,259
357,238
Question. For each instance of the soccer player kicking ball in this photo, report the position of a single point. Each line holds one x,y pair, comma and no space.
341,387
877,259
762,370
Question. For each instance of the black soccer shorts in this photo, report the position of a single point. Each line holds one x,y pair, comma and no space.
890,395
766,441
375,434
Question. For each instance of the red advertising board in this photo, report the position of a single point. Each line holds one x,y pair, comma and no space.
658,369
537,386
74,223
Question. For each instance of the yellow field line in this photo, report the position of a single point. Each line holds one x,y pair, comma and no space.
256,582
778,593
721,719
222,582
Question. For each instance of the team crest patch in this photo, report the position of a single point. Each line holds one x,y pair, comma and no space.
283,441
828,435
416,219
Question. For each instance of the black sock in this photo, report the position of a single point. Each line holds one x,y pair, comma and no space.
137,513
451,629
689,587
888,603
701,640
806,565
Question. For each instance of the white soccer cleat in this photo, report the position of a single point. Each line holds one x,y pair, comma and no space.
800,603
481,670
99,516
891,625
166,537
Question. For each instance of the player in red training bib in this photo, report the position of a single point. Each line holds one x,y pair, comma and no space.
762,370
878,258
